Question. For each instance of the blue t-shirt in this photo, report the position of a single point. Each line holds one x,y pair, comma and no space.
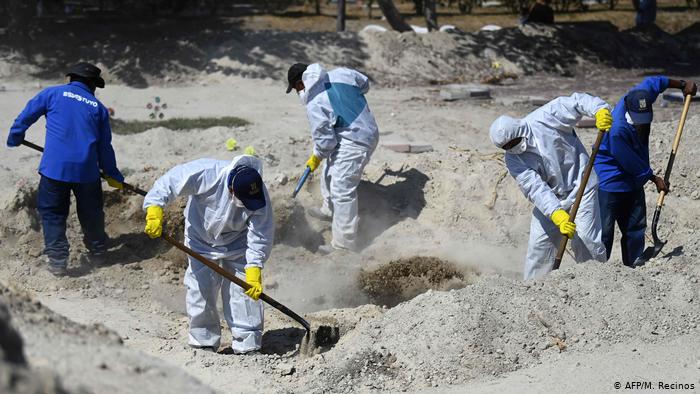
622,163
78,135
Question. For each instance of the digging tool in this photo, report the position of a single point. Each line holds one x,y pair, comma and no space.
653,251
238,281
126,186
207,262
301,182
579,196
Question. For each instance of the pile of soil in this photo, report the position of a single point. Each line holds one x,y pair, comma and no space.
403,279
91,358
499,325
15,374
184,49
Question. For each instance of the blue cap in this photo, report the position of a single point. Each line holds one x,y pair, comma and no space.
638,106
247,185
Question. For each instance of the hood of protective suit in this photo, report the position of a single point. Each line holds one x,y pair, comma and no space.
215,223
505,129
313,79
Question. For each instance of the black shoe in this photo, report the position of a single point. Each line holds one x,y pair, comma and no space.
318,214
58,270
56,266
97,258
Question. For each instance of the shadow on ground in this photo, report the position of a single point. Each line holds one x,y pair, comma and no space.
383,206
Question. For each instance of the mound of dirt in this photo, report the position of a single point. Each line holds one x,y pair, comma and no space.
389,57
498,325
89,358
403,279
15,374
564,49
124,221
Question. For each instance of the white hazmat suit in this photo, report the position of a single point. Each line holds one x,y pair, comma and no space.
344,133
548,165
222,230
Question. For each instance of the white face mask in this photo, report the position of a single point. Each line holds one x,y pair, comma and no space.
302,96
521,147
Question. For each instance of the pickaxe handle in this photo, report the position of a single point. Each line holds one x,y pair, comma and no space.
579,196
233,278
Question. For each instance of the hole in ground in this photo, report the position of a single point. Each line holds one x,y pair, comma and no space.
403,279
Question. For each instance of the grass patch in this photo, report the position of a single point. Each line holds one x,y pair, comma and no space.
120,126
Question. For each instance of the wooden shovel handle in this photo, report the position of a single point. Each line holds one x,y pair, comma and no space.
579,196
674,148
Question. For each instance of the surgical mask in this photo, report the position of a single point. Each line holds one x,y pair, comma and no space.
521,147
235,201
302,96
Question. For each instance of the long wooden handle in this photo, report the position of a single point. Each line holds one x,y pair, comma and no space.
674,149
127,186
236,280
579,196
219,270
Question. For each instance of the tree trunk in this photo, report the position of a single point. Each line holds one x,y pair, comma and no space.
430,15
393,16
340,26
318,7
20,13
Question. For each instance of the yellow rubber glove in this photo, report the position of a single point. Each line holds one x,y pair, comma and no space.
231,144
603,119
313,162
562,220
253,276
250,151
114,183
154,221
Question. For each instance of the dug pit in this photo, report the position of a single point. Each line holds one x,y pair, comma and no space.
403,279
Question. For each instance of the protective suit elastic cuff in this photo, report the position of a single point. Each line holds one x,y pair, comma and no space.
248,265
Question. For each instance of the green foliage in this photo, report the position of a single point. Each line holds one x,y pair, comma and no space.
137,126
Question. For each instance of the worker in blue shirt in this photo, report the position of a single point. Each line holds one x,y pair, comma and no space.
78,145
623,166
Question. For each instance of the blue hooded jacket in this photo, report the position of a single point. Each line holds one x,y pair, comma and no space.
78,134
622,163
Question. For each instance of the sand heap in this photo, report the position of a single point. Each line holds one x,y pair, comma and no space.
563,49
92,358
184,49
15,374
499,325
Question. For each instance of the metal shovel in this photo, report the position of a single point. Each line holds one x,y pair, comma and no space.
301,182
233,278
653,251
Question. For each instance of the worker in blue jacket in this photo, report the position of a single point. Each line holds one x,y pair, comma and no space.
623,166
78,145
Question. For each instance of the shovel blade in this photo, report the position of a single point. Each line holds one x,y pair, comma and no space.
649,253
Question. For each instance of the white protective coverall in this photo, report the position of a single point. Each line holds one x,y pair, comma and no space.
549,172
344,133
227,233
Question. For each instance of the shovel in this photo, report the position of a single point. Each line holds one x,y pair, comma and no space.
301,182
207,262
579,196
653,251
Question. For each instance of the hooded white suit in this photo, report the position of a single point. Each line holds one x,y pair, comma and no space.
549,171
220,230
345,133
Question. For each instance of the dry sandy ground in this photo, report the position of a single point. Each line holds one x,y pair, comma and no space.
454,203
